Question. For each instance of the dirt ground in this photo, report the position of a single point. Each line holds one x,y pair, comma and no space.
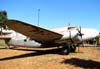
38,58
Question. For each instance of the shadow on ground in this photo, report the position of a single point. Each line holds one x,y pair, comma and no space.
32,53
87,64
2,48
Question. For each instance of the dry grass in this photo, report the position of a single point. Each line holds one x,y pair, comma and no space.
38,58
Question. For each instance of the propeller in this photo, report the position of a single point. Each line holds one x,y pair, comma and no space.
80,34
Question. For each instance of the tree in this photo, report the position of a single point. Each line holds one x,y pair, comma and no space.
3,18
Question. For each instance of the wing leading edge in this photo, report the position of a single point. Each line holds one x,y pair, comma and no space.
33,32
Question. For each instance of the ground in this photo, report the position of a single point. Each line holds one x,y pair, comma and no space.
38,58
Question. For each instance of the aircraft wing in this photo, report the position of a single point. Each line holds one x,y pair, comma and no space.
33,32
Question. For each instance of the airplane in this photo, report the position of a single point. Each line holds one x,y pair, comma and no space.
67,38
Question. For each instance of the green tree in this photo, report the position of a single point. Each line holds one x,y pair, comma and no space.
3,18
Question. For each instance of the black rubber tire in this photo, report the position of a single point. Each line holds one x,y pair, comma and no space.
65,50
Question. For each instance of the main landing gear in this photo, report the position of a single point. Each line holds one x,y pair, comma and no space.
67,48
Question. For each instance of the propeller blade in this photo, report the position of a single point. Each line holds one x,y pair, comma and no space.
80,35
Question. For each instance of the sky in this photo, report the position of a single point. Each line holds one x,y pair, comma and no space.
54,13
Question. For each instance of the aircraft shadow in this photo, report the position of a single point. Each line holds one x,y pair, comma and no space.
87,64
33,53
2,48
41,52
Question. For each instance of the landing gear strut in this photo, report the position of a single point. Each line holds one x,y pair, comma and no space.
68,48
72,48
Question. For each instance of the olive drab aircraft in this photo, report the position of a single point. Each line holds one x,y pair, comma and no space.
67,38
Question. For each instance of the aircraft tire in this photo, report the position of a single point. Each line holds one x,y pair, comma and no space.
66,50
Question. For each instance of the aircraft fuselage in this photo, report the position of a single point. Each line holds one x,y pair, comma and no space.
69,34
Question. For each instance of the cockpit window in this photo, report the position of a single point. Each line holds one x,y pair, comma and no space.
71,27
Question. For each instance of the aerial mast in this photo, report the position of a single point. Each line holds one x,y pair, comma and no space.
38,17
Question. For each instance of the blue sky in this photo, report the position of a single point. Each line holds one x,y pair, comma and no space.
55,13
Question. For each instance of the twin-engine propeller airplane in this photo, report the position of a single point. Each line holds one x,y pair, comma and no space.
66,38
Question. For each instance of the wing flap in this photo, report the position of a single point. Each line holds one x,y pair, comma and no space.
33,32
